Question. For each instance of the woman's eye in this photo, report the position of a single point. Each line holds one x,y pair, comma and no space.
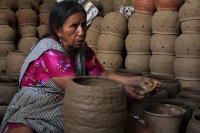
73,25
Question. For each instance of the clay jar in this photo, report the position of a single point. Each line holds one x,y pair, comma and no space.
170,82
166,22
29,31
187,45
5,5
8,90
7,34
144,6
188,83
118,3
171,5
11,17
91,37
24,4
189,11
110,61
109,43
26,43
14,61
187,68
138,44
140,23
137,62
102,99
43,18
115,23
96,24
193,125
6,47
163,44
42,30
190,27
162,64
106,6
4,19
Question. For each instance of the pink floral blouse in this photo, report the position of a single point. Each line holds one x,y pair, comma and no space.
54,64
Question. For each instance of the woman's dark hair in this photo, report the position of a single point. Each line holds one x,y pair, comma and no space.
60,13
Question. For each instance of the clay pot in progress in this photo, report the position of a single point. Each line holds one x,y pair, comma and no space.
163,44
26,43
144,6
115,23
166,22
140,23
103,100
193,125
163,118
170,5
189,11
187,45
162,65
138,44
190,27
187,68
110,43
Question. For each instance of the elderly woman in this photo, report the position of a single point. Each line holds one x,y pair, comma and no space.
54,60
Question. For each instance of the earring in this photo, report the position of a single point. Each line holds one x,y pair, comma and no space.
61,41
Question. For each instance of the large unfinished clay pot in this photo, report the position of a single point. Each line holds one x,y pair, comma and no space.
29,31
11,17
101,100
110,61
189,11
4,19
118,3
144,6
6,47
138,62
170,5
140,23
42,30
91,37
110,43
14,61
162,64
187,68
190,27
115,23
7,34
138,44
166,22
187,45
163,44
96,24
26,43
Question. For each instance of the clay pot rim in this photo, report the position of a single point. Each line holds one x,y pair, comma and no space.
187,78
139,53
194,117
186,19
188,97
161,74
112,33
190,90
165,33
190,32
179,103
111,52
163,53
140,32
198,108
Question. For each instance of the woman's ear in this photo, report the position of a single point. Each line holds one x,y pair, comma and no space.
56,30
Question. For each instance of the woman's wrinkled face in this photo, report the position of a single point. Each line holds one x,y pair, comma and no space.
73,31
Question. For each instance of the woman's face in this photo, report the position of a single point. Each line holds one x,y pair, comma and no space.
73,31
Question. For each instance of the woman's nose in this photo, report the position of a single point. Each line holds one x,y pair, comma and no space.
82,30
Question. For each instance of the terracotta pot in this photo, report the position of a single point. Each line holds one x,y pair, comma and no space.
110,61
2,112
96,24
45,8
42,30
7,34
8,90
115,23
166,22
163,44
193,125
140,23
2,63
5,5
162,64
24,4
103,99
29,31
187,45
11,17
4,19
43,18
26,43
14,61
106,6
189,11
187,68
137,62
196,110
138,44
6,47
188,83
118,3
108,43
144,6
163,118
27,17
170,5
190,27
170,82
91,37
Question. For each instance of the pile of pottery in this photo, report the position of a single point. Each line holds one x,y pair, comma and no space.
111,40
187,47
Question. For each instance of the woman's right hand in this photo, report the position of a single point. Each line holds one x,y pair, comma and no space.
131,94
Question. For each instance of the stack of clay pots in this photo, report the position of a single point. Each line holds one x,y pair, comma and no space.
187,47
137,42
166,28
111,40
93,33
